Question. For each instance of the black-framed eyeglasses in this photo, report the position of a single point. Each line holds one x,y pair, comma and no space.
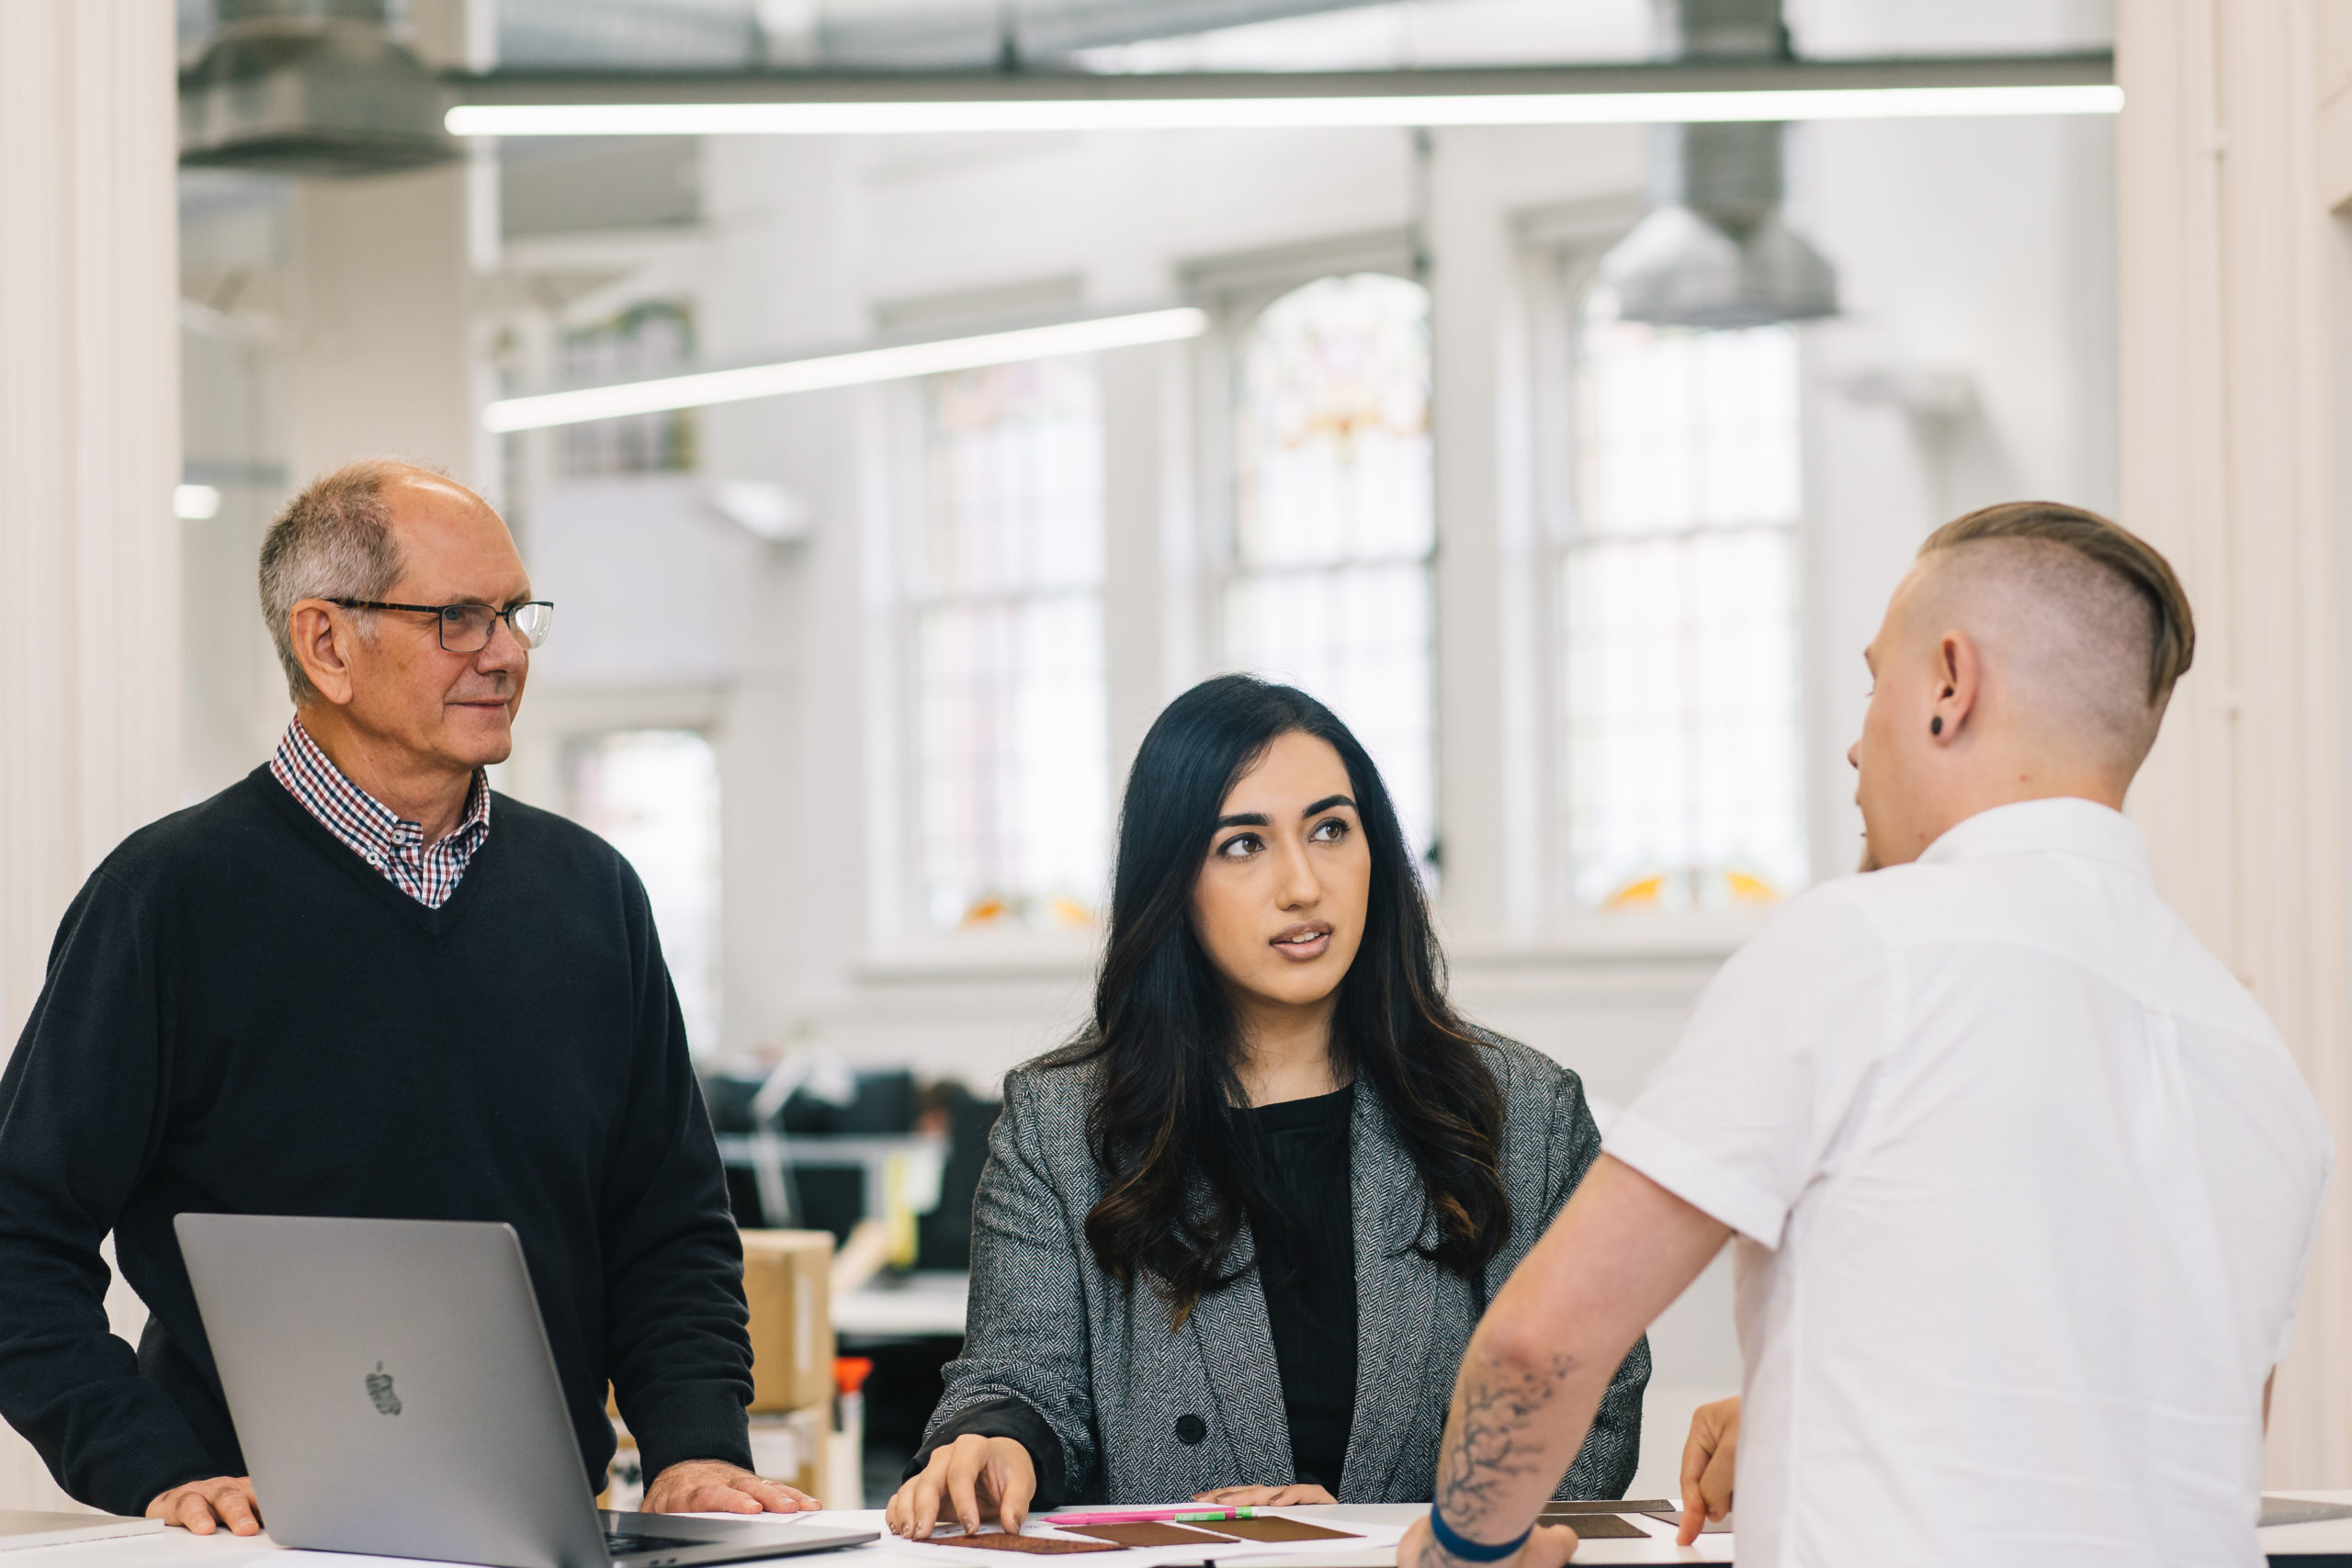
466,628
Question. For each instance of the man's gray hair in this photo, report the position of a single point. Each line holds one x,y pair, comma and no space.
334,540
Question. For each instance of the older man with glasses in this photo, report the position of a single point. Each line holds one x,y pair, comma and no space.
358,983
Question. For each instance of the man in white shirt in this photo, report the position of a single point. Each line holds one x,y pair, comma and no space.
2022,1181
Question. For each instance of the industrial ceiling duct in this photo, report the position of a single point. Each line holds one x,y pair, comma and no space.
310,87
1715,251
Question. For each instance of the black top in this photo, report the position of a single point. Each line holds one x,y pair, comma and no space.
1310,1285
241,1015
1308,1268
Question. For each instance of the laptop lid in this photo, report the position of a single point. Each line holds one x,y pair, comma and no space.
392,1388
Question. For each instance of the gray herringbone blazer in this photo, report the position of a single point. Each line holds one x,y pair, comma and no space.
1147,1414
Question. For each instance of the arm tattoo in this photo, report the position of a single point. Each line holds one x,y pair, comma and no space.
1495,1442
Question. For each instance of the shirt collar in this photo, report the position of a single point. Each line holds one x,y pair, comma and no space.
306,769
2065,824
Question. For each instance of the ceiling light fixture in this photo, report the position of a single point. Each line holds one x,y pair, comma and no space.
1281,113
856,369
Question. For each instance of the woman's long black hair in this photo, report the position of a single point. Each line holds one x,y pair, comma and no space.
1169,1126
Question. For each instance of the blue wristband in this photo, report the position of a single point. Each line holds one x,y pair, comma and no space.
1471,1550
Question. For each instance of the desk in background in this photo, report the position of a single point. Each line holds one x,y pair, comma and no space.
925,1304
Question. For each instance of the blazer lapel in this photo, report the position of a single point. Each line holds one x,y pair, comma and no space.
1397,1294
1236,1345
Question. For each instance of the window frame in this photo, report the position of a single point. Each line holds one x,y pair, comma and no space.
900,938
1236,291
1561,253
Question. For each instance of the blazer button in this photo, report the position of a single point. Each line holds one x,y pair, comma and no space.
1191,1430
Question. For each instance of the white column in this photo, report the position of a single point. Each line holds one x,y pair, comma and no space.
1469,245
1141,389
381,276
2233,286
89,451
379,361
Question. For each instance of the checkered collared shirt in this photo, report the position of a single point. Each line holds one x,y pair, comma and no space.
371,830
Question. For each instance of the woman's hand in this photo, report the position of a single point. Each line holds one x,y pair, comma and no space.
971,1473
1707,1458
1264,1496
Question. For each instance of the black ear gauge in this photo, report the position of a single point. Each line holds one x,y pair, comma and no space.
1936,725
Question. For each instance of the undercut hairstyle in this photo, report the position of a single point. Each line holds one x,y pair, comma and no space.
1182,1163
2097,604
333,540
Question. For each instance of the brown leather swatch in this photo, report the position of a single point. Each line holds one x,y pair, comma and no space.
1279,1529
996,1541
1602,1527
1150,1532
1640,1506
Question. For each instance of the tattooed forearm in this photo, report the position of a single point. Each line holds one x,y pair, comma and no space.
1502,1437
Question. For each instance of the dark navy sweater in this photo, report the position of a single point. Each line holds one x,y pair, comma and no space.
241,1015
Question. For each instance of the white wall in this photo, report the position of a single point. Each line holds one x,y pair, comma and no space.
89,445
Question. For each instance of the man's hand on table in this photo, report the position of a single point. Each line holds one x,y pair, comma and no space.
1297,1496
1548,1547
1707,1460
201,1506
715,1486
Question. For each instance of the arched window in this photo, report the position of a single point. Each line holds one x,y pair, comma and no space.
1335,517
1683,734
1007,588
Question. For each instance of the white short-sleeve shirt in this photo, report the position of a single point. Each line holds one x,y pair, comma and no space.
2024,1183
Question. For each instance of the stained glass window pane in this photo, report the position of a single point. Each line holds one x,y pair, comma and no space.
1682,746
1335,517
653,795
1013,735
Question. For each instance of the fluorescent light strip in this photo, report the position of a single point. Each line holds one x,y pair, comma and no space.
855,369
1273,113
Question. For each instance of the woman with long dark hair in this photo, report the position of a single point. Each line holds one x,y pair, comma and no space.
1233,1238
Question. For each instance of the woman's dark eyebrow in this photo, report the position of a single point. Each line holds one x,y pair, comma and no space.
1326,803
1246,819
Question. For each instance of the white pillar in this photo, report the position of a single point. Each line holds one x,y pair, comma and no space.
89,451
379,360
382,281
1468,239
2233,286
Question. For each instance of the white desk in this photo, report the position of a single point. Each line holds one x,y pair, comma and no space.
927,1302
177,1549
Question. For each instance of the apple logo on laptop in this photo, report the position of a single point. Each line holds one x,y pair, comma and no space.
379,1391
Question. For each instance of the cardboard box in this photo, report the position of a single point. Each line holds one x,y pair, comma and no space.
799,1448
787,1281
792,1448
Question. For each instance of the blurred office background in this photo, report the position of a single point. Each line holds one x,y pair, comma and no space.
854,675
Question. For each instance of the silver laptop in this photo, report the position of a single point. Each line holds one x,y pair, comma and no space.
394,1394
